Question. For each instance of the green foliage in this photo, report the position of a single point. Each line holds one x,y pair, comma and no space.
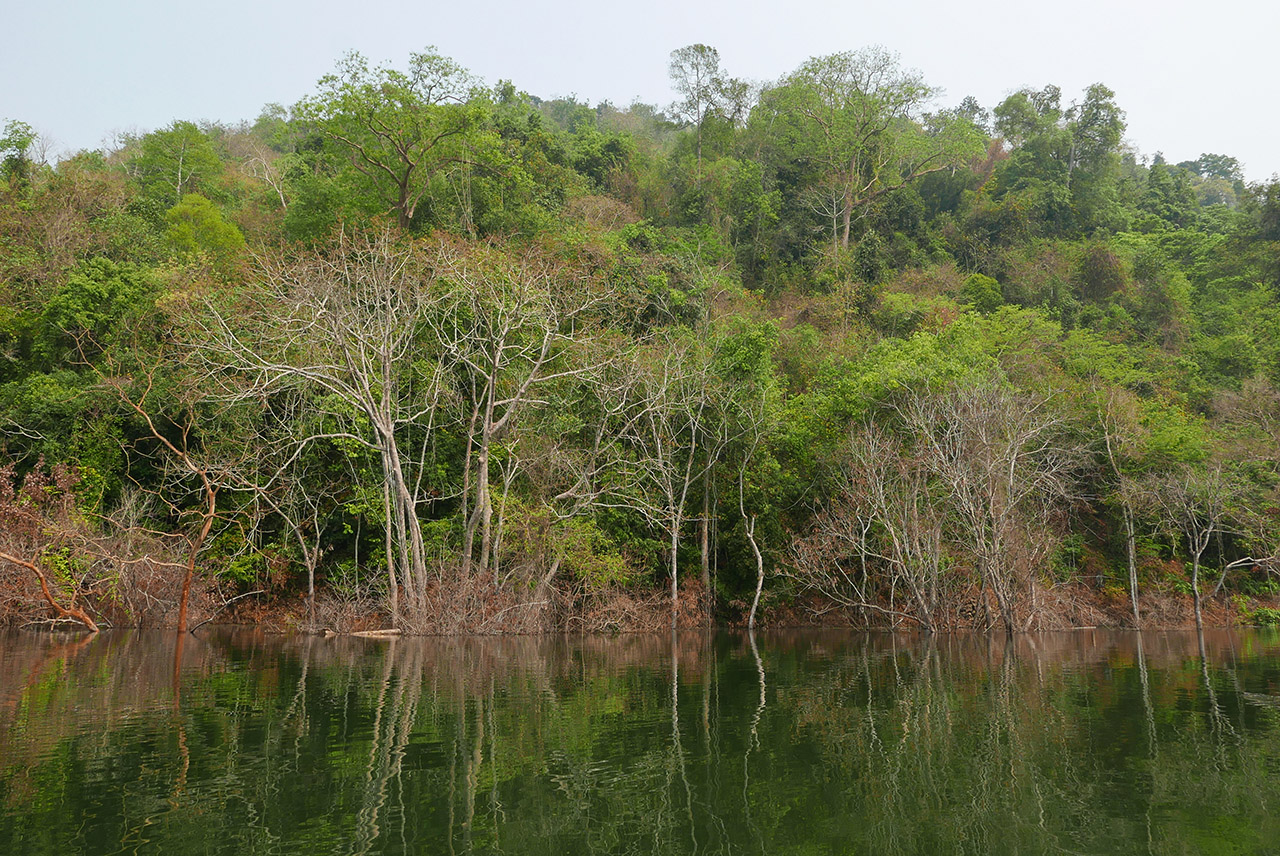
982,293
589,554
403,134
174,161
196,227
1260,616
820,245
1101,273
96,305
16,167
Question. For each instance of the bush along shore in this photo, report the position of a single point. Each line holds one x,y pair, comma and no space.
428,354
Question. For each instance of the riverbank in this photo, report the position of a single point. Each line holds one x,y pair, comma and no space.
477,607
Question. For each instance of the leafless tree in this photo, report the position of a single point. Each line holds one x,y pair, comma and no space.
343,327
889,514
977,470
756,424
1202,502
511,323
1006,469
667,411
883,532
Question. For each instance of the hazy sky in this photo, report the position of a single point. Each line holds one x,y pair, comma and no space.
1193,77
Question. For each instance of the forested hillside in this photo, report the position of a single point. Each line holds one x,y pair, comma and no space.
427,352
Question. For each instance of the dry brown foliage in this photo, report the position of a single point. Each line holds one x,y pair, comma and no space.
39,519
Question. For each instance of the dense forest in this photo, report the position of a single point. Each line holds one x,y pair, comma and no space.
421,352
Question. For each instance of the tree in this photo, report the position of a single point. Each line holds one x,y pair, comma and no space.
174,161
1122,437
509,323
696,76
853,117
197,226
1064,160
344,324
1005,471
398,129
664,414
1215,166
17,155
1096,126
39,515
1204,501
884,531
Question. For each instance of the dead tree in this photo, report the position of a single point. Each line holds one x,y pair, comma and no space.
668,410
1197,502
511,323
883,532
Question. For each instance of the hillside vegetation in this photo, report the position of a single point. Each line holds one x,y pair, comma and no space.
426,352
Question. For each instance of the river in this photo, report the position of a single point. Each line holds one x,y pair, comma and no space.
781,743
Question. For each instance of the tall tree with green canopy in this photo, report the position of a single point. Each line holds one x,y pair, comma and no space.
15,153
704,90
1062,155
174,161
852,117
399,129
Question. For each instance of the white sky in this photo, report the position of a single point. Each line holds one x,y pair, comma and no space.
1193,76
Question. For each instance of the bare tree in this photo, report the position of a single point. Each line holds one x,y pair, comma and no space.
343,326
1006,470
510,324
1200,502
978,470
667,411
883,532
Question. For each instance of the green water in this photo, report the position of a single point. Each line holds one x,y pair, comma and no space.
810,743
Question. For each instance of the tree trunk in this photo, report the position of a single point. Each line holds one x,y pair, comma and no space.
1195,589
675,595
414,571
394,592
205,527
1131,545
705,536
467,525
73,612
755,548
847,213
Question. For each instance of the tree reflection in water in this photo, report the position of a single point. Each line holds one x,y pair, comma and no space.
1085,742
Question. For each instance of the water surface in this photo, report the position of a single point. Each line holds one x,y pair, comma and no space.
1087,742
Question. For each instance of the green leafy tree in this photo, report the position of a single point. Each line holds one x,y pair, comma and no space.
16,164
174,161
398,129
1064,161
197,226
855,121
